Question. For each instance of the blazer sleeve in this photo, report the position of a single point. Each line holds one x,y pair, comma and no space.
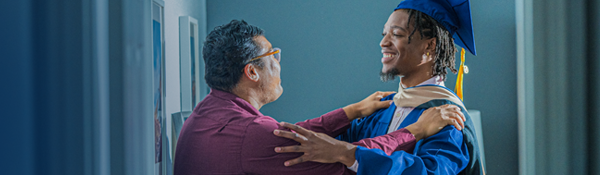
398,140
332,123
258,155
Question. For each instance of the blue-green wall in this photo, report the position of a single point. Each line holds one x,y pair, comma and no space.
331,58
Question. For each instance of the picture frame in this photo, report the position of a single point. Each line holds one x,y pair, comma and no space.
191,66
158,84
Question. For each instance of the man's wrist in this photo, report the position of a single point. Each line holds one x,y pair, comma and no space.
348,158
416,131
351,112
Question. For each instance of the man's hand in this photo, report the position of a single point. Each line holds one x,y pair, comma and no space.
317,147
434,119
368,105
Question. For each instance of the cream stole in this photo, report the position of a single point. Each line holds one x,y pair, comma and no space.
415,96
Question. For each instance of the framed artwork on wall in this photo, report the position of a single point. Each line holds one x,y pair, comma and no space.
191,66
158,77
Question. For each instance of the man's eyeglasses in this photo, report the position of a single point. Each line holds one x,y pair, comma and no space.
276,52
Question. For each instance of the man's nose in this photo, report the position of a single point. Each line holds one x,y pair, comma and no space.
384,41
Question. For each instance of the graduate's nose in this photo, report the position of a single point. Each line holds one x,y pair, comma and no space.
385,42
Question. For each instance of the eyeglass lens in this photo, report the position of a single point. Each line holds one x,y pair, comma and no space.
278,54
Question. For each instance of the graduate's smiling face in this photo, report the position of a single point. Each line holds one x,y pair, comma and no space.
269,75
401,58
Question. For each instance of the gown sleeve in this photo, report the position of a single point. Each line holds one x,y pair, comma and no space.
442,153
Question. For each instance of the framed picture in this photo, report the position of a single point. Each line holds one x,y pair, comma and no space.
191,66
158,75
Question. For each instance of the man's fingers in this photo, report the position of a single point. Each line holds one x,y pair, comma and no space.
295,161
377,96
387,93
462,124
457,120
456,108
449,106
459,111
296,128
462,116
290,135
384,104
455,123
290,149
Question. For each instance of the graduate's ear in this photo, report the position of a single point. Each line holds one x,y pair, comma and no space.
250,72
429,54
431,44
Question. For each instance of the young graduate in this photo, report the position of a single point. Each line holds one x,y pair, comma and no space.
418,45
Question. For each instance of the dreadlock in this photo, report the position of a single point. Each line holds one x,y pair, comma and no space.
445,49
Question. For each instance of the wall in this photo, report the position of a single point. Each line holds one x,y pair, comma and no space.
594,86
172,11
331,58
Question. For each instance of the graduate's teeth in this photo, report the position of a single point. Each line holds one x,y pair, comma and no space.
387,55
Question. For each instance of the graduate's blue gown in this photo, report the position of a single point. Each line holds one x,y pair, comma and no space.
447,152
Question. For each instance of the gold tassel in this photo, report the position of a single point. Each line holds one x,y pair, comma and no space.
458,89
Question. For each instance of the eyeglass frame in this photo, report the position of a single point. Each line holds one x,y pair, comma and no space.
276,51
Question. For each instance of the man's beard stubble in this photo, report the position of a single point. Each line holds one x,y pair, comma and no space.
389,75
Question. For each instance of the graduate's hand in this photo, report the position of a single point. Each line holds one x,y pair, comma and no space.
368,105
434,119
317,147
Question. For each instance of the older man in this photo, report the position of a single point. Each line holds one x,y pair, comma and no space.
226,133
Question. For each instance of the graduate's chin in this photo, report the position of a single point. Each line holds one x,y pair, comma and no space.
389,75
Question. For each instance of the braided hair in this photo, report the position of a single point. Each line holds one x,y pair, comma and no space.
444,50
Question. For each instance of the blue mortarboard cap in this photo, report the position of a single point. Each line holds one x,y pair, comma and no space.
454,15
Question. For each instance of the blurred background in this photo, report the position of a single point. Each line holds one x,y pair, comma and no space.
102,86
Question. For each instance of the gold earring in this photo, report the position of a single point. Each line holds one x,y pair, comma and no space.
427,53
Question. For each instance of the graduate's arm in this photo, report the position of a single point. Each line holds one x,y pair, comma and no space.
332,123
368,105
336,122
429,123
442,153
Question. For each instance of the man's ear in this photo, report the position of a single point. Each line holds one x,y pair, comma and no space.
431,44
250,72
429,54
